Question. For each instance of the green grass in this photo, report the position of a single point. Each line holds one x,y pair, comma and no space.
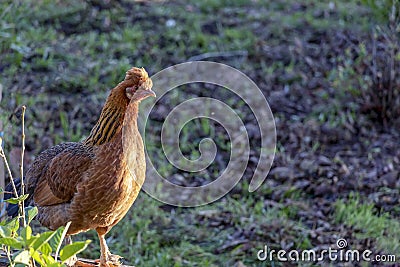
370,223
195,237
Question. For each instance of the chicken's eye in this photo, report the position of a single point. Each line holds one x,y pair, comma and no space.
130,91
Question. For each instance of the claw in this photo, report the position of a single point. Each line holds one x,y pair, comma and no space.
111,261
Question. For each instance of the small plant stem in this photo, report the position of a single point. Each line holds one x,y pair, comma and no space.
3,155
8,252
22,204
63,235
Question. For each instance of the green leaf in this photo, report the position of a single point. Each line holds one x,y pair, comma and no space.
36,256
31,240
30,212
55,241
16,200
43,239
26,233
13,225
46,249
71,250
12,242
5,231
58,238
48,259
23,257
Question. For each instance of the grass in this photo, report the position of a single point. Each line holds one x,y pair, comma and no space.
61,59
190,237
370,223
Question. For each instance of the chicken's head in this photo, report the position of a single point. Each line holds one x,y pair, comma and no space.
142,84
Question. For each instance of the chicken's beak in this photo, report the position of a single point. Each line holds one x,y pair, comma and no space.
151,93
141,94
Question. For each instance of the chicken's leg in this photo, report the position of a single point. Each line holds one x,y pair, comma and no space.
106,258
73,260
104,251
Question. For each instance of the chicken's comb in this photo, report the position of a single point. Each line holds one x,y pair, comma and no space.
136,75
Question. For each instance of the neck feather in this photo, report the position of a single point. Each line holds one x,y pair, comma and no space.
111,118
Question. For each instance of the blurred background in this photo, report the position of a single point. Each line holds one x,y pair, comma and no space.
329,70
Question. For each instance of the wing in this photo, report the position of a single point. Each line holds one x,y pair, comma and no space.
61,169
41,164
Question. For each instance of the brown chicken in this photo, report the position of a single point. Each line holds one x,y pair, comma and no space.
92,184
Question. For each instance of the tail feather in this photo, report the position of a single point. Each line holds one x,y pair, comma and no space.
12,209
